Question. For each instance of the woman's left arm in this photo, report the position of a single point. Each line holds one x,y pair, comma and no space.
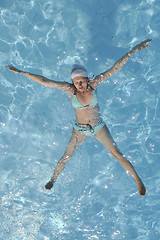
118,65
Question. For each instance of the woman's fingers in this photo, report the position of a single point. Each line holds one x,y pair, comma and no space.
142,45
148,41
11,68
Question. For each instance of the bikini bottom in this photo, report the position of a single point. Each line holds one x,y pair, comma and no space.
89,130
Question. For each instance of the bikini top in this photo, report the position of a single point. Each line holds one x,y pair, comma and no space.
76,103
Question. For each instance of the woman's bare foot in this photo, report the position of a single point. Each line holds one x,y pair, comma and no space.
49,185
141,187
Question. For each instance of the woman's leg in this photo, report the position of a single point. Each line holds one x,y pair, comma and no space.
76,140
105,138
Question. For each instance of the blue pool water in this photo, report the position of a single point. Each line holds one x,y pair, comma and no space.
93,198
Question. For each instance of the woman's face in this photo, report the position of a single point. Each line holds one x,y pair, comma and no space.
80,83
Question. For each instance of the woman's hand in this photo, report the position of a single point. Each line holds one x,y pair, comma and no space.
141,45
13,69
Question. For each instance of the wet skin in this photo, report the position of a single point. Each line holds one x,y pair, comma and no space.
89,114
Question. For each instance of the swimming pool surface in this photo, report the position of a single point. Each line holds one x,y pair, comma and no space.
93,198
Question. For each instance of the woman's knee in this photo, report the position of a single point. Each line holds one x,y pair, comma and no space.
116,153
66,158
63,161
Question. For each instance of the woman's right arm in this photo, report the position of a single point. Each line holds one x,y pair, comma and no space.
42,80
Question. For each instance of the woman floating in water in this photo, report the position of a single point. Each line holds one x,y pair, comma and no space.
88,121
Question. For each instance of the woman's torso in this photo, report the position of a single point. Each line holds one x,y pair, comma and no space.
86,107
